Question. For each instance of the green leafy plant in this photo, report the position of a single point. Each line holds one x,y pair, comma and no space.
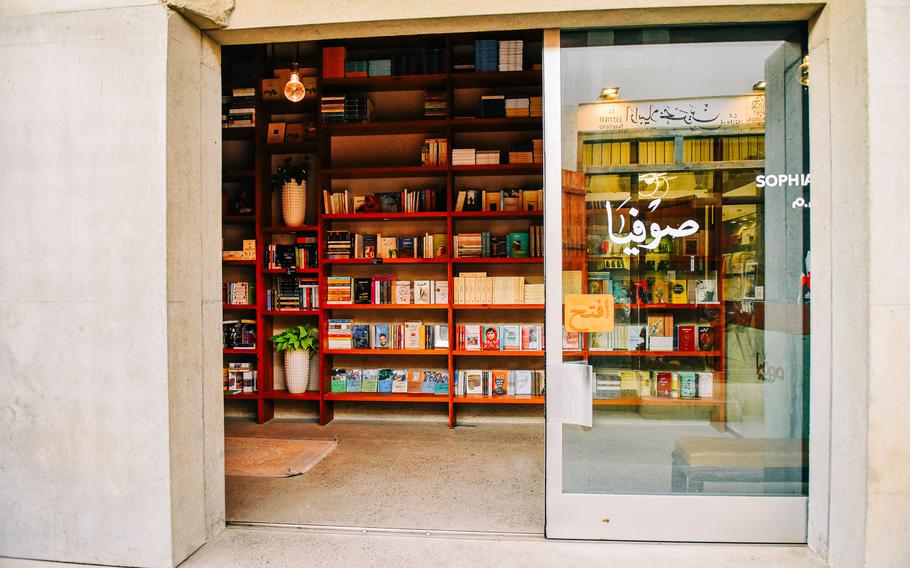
302,337
288,172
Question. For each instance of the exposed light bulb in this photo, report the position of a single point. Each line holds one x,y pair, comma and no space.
294,90
760,86
609,93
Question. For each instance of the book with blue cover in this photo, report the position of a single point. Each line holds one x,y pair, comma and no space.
385,380
339,380
361,336
355,380
369,380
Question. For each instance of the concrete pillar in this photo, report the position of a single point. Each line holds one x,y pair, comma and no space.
110,413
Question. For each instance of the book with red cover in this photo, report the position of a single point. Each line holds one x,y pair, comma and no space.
665,384
489,340
686,337
333,62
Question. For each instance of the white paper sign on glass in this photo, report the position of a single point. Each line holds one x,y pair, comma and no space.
571,395
708,113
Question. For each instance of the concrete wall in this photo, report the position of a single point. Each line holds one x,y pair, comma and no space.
110,414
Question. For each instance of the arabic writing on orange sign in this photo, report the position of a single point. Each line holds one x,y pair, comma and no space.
589,312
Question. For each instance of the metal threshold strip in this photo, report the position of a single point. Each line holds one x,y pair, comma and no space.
432,533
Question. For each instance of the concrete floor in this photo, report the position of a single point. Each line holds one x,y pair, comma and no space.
409,475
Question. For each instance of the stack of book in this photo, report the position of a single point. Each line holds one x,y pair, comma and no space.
537,143
332,109
536,108
338,244
521,153
499,337
463,156
390,381
386,290
238,293
511,55
356,68
518,106
614,383
239,334
411,335
333,62
293,293
358,108
435,152
493,106
499,382
435,104
242,108
303,254
380,67
486,55
240,378
478,288
486,157
512,245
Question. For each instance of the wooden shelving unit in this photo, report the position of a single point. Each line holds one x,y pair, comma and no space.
333,167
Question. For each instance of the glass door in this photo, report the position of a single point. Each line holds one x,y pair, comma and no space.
677,267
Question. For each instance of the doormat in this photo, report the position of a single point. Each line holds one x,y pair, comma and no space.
269,457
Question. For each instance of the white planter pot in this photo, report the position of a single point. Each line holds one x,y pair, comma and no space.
293,203
297,371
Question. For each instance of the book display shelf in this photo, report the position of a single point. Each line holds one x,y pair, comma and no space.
672,302
424,157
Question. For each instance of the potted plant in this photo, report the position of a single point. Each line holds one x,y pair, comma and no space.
290,179
297,343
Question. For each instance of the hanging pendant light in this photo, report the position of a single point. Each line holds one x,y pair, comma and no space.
294,89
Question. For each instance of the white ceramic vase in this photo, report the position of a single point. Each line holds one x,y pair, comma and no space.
293,203
297,370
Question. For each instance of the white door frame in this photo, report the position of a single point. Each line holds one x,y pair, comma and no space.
692,518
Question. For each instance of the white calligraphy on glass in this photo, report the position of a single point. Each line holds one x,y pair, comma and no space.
639,234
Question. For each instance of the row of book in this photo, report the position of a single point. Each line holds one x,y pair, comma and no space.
435,104
292,293
239,334
430,381
502,200
344,334
596,153
499,337
346,108
428,60
519,153
434,152
404,201
238,293
478,288
239,109
240,378
474,157
344,244
502,106
303,254
658,335
500,382
514,245
610,383
385,290
661,288
498,55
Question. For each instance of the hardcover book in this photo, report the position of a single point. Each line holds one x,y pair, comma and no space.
519,245
500,382
686,337
664,384
369,380
490,338
384,382
362,291
339,380
705,338
355,379
399,380
381,336
688,384
406,247
361,336
678,294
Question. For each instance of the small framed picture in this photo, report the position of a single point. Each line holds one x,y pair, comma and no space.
294,133
276,132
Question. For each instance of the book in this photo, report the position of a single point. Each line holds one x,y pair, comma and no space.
522,379
362,291
518,245
355,380
406,247
638,337
339,334
685,334
441,336
472,337
490,338
530,338
688,384
361,336
441,382
705,384
415,380
412,335
473,382
510,337
499,382
404,293
399,380
571,340
705,338
381,336
384,381
422,291
440,292
678,293
369,380
664,384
